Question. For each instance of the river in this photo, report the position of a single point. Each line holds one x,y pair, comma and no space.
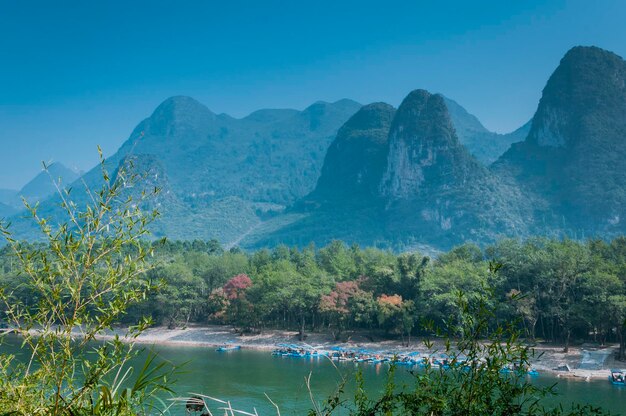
245,376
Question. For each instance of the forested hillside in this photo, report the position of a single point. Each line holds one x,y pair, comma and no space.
220,175
403,178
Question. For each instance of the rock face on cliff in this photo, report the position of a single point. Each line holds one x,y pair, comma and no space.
402,178
356,159
573,158
424,151
435,189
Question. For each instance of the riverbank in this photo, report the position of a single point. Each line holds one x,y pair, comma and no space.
586,362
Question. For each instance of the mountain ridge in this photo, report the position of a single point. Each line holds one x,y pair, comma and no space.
420,181
224,173
376,175
483,144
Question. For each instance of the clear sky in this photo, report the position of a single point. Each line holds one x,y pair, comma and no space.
74,74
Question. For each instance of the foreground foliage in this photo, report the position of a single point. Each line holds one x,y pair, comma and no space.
80,280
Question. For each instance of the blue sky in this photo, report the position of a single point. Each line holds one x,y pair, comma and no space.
74,74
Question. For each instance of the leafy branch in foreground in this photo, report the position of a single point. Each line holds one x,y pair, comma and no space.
83,277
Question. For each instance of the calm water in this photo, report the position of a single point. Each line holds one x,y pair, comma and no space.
244,376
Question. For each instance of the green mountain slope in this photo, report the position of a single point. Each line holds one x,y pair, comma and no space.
401,178
356,159
223,173
271,156
573,158
344,204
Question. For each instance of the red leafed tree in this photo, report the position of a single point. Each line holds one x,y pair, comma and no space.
337,305
239,310
390,300
217,304
337,300
396,314
236,285
389,308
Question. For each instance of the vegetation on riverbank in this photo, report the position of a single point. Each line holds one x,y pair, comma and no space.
569,291
472,383
96,270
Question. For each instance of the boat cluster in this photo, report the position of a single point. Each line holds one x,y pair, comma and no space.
440,360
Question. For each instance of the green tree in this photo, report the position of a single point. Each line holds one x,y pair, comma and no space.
442,283
338,261
182,295
562,267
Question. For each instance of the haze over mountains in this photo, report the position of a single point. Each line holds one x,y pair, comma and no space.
427,173
37,189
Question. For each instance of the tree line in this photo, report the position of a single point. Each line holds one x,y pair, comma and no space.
566,291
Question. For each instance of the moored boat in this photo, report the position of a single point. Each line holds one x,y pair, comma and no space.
297,351
617,377
227,348
519,369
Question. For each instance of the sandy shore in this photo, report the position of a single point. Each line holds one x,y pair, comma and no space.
586,362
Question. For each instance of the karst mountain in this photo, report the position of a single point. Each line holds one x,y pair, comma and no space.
425,174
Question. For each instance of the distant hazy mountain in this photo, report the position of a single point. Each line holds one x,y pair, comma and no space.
374,175
485,145
6,210
223,173
7,196
40,187
573,158
43,185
